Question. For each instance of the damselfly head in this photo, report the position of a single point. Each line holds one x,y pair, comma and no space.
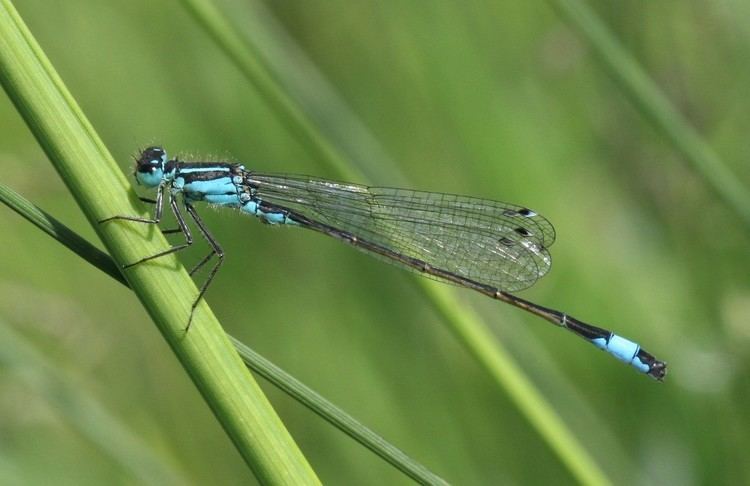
149,166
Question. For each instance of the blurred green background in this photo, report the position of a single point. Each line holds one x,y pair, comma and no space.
494,99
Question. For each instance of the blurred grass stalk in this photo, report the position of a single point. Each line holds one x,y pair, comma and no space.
165,290
656,107
464,323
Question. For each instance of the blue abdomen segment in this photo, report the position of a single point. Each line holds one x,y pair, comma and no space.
272,217
623,349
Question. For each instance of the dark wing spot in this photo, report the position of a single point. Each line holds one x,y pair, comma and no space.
525,212
505,241
522,231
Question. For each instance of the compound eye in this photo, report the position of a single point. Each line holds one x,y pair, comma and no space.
151,159
149,168
156,155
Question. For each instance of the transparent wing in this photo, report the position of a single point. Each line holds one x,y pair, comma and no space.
494,243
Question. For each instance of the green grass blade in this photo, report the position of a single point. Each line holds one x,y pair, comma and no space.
74,242
656,107
469,328
164,288
275,375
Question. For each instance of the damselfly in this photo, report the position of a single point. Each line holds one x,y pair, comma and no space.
492,247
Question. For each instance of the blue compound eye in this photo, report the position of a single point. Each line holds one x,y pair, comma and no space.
149,167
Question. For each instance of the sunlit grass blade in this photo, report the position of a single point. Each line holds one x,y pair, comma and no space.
165,289
656,107
275,375
464,323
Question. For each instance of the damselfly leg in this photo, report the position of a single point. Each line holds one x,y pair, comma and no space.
185,230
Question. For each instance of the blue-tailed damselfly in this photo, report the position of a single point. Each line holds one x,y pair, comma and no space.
492,247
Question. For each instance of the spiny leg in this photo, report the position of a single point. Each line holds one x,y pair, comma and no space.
156,219
200,264
157,210
183,228
215,250
170,231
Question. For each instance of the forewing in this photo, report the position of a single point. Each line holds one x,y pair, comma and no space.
494,243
